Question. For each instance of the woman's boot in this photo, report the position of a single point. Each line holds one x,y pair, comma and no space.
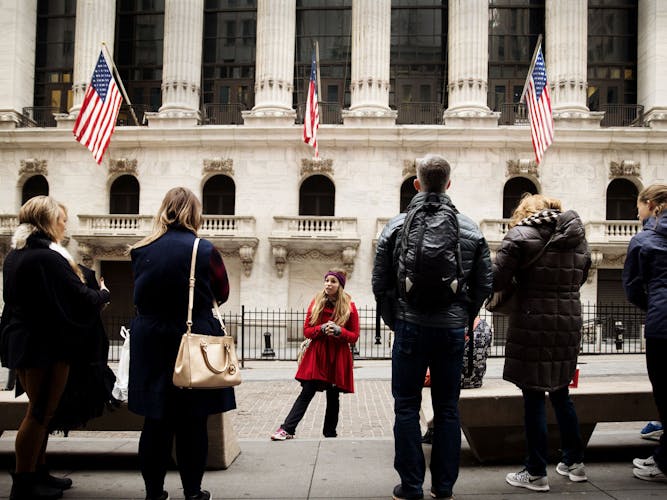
46,479
25,486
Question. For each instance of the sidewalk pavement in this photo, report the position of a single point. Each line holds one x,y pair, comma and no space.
357,464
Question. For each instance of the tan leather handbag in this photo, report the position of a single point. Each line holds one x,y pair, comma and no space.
205,361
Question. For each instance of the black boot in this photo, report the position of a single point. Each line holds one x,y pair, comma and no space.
427,438
25,486
46,479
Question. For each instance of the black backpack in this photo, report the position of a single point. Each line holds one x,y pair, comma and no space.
430,273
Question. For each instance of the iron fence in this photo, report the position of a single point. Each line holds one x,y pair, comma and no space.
267,334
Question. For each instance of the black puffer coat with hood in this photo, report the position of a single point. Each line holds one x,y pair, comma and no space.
545,329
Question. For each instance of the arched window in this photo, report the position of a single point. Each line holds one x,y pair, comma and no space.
219,195
407,192
124,195
512,193
317,196
34,186
621,200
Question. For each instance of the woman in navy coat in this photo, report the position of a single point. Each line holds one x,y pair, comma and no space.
645,282
161,267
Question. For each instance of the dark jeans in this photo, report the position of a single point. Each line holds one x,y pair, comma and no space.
656,365
416,348
535,420
308,390
155,445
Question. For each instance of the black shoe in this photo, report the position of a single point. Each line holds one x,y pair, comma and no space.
329,434
162,496
427,438
46,479
399,494
202,495
26,487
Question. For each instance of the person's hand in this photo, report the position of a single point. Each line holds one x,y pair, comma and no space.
102,285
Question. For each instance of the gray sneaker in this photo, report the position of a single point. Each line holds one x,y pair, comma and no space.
650,474
644,463
576,472
523,479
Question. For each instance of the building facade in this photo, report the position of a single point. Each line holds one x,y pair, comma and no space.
219,88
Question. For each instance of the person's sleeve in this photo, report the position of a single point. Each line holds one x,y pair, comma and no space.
311,331
482,277
350,332
219,278
633,282
383,266
506,263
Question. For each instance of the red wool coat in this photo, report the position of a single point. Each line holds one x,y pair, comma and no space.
329,358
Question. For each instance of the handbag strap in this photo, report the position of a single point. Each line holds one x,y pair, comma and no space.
191,292
539,254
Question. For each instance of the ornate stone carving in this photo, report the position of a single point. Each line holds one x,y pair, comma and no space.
33,166
596,259
123,166
349,254
280,259
624,168
313,254
522,166
89,253
218,166
247,255
316,166
409,168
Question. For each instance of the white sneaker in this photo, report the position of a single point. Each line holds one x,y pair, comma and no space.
281,435
523,479
650,474
576,472
644,463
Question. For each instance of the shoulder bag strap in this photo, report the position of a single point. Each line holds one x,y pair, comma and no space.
191,293
539,254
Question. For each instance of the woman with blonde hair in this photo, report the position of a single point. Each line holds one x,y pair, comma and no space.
645,283
332,324
48,312
546,252
161,267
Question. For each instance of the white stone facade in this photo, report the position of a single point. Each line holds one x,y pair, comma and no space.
271,261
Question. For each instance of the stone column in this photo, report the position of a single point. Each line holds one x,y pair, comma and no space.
181,66
17,59
274,70
652,62
468,67
566,58
371,44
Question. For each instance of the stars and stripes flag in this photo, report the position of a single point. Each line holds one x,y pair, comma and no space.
538,102
97,118
311,120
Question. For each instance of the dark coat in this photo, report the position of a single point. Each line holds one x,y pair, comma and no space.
328,359
161,276
476,269
545,330
645,275
48,310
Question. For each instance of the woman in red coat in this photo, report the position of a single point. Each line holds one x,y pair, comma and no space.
332,324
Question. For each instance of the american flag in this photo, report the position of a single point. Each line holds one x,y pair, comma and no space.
311,120
97,118
538,103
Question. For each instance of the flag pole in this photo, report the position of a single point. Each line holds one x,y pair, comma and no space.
317,65
530,68
120,82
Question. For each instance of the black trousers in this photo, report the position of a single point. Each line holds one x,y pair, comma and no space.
656,365
308,390
155,446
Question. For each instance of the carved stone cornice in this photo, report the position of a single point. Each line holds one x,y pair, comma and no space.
316,166
223,166
409,168
280,258
522,166
89,253
284,252
33,166
624,168
123,166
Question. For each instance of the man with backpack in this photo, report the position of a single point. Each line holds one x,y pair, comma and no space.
432,273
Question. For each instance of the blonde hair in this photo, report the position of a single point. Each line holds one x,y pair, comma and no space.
341,308
657,193
531,204
42,213
179,206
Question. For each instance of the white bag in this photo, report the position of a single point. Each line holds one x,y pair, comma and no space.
120,387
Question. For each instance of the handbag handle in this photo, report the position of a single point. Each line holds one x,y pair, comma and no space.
191,292
203,346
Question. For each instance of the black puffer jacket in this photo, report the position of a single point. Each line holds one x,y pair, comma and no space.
545,330
476,268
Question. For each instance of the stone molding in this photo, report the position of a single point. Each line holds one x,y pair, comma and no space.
218,166
624,168
33,166
271,83
89,253
282,255
522,166
123,166
311,166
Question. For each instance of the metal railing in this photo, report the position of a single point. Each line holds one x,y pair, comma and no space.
264,334
622,115
419,113
125,116
39,116
513,114
223,114
330,113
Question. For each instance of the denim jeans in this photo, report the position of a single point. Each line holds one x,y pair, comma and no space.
536,429
656,354
416,348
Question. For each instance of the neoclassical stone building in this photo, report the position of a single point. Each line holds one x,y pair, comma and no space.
219,88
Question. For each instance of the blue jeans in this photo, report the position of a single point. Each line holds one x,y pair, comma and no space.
416,348
536,429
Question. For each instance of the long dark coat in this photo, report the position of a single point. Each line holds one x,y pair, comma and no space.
161,276
545,330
